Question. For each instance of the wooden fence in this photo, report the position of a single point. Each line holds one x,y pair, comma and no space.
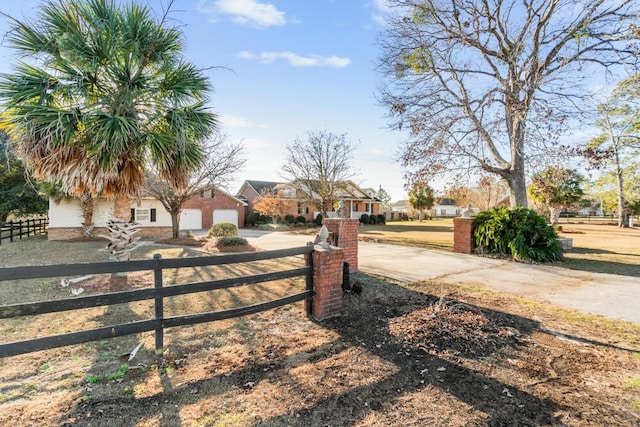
17,229
157,293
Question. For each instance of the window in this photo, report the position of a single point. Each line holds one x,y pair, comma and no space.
143,215
302,209
458,211
207,194
366,207
443,212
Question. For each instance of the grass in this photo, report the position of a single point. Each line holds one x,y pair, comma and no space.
429,234
597,247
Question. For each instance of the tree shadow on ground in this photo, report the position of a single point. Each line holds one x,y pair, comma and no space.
599,266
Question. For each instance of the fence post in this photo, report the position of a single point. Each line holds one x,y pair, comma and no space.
20,228
29,220
11,231
159,303
308,261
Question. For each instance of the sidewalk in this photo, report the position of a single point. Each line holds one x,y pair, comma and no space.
610,295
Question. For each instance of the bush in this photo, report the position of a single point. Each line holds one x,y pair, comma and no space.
364,219
289,219
518,232
382,219
252,219
231,241
318,220
264,219
301,218
223,229
373,220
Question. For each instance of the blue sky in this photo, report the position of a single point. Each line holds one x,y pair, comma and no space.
290,66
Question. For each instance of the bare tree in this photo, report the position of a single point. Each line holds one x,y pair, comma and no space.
222,161
468,78
317,165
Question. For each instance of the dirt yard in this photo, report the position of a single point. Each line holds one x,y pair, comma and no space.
428,354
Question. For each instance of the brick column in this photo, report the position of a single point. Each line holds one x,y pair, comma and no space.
462,235
327,282
347,232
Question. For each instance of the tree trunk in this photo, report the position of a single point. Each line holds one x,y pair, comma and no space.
554,214
175,224
122,207
623,214
516,113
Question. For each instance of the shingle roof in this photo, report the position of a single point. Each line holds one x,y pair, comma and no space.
259,186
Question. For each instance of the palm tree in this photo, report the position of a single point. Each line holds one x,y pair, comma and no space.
105,93
421,198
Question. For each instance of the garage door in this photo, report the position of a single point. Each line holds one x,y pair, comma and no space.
191,219
227,215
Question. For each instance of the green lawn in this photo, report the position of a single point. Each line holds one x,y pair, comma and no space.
429,234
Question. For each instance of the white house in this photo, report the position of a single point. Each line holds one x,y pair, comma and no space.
202,211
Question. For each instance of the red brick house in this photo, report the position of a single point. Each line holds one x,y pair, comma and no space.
212,207
356,200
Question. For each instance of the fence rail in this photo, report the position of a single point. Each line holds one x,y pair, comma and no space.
157,293
17,229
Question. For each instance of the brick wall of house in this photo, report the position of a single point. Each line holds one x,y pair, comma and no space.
347,232
463,235
327,282
219,200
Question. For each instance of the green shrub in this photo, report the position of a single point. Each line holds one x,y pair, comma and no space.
223,229
382,219
252,219
289,219
373,220
364,219
519,232
318,220
301,219
265,219
231,241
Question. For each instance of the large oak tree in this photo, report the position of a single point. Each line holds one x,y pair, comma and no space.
483,84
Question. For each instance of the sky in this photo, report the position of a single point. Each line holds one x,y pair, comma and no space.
281,68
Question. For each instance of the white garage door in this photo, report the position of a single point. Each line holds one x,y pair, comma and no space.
227,215
191,219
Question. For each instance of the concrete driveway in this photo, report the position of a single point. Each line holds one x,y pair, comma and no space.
610,295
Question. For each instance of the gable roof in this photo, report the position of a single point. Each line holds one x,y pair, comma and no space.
259,186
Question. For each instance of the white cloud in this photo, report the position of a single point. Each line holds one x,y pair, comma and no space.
381,11
296,60
245,12
235,122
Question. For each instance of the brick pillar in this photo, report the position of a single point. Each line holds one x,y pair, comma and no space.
347,232
327,282
462,235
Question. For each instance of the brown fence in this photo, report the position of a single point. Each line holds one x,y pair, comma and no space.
157,293
13,230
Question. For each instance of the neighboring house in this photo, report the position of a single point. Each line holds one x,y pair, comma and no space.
442,208
356,200
445,208
201,212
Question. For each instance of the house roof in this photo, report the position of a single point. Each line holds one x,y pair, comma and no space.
350,191
443,201
259,186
